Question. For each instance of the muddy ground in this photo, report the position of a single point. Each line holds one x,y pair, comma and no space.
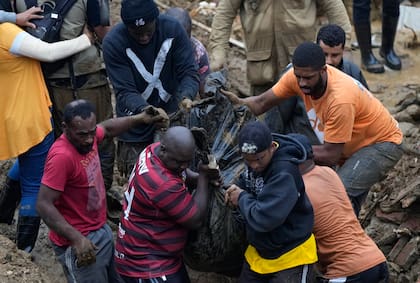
396,89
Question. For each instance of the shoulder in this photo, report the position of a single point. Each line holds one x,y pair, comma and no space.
117,37
350,67
118,31
9,32
169,27
341,83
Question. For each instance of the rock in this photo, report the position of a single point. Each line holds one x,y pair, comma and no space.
407,128
16,265
414,111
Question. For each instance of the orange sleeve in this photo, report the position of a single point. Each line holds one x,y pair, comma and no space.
287,85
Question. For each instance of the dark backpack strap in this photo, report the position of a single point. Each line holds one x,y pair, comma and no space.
31,3
62,7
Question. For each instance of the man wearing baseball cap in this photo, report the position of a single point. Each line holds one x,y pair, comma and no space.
270,196
150,61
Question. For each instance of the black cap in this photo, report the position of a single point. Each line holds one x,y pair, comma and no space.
254,137
138,12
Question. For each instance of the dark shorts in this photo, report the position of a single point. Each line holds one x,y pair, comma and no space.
103,270
376,274
299,274
181,276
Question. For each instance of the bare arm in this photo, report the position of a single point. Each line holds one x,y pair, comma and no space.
201,198
52,217
84,248
328,153
257,104
151,115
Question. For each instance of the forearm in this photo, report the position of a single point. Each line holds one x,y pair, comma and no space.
192,178
7,17
261,103
56,222
221,29
116,126
322,156
48,52
201,196
188,87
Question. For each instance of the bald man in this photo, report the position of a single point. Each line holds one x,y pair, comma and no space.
158,210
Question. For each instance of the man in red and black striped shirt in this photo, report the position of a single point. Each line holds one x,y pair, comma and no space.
158,210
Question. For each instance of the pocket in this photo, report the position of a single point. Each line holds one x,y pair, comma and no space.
260,67
295,4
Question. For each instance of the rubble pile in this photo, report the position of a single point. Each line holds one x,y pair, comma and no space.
391,215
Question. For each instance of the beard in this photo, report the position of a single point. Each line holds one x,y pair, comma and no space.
317,90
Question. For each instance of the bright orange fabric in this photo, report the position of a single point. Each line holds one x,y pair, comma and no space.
24,108
343,247
347,112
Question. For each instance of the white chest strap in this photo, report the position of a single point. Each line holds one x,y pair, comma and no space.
153,79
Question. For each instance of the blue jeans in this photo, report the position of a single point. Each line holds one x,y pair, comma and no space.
366,167
14,173
361,10
31,168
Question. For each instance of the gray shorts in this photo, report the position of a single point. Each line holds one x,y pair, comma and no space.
366,167
103,270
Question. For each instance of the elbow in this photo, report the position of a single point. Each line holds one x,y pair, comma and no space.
196,222
39,208
263,227
48,58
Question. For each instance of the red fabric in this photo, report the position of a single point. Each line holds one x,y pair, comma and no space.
151,236
79,178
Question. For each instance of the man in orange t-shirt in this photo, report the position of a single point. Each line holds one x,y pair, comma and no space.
345,251
356,131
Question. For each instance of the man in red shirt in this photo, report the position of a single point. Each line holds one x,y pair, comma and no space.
158,210
71,200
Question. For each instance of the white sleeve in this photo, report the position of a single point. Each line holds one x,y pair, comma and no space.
7,17
29,46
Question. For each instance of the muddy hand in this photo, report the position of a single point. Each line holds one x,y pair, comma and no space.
233,98
163,122
186,104
153,115
232,195
85,252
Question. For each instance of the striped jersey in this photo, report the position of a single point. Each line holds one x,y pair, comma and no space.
151,237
